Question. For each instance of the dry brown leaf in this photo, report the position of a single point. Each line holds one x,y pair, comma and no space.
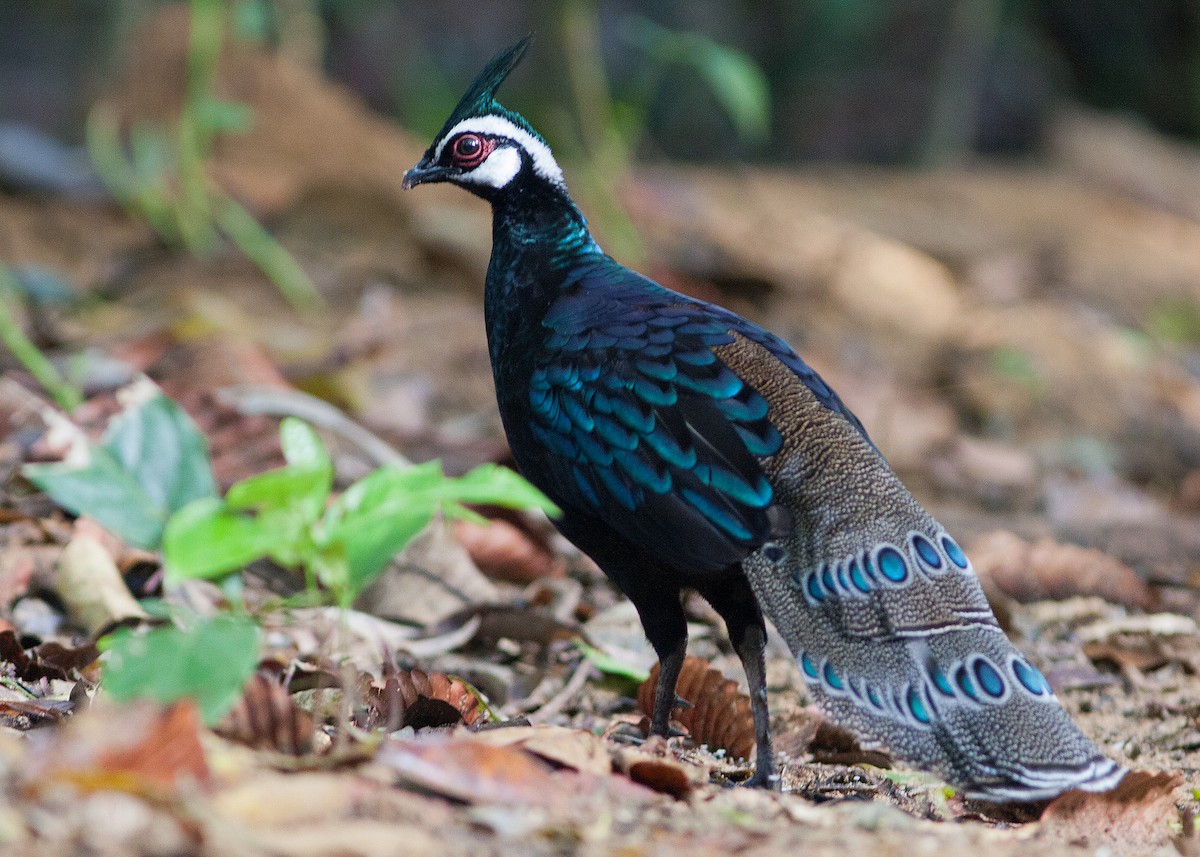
91,586
140,748
468,770
49,660
655,772
1136,644
1055,570
570,748
1133,818
353,837
720,715
273,799
267,718
240,445
504,551
432,579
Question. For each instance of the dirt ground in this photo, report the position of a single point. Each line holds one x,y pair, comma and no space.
1022,342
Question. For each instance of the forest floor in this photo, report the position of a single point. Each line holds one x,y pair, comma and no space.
1021,341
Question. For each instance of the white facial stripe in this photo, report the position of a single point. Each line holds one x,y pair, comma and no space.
543,161
497,170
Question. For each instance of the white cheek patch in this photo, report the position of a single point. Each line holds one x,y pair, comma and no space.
497,126
500,167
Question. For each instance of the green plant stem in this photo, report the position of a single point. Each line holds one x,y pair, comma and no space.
65,394
607,157
268,254
195,134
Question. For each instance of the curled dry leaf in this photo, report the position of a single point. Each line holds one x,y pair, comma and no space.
1054,570
49,660
720,715
419,699
267,718
576,749
662,775
464,769
91,586
1137,644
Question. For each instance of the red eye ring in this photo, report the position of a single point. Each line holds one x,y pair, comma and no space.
470,150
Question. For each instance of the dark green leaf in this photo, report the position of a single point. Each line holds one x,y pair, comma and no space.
208,662
734,78
152,462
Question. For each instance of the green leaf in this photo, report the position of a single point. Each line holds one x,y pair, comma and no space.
736,80
740,85
217,116
152,462
252,20
207,539
208,662
385,486
302,485
370,541
491,484
282,488
378,515
302,446
610,665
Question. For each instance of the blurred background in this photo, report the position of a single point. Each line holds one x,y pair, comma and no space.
979,219
893,82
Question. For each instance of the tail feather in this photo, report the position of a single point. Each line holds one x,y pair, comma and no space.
894,636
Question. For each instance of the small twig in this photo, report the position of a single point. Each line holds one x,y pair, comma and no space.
555,704
281,402
13,684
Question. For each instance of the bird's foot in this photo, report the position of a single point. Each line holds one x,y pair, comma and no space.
764,777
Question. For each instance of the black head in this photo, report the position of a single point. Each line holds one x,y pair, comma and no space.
484,147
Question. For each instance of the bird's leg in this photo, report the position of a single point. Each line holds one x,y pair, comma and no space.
661,612
669,665
750,650
747,632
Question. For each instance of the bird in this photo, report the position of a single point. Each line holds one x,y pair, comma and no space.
689,449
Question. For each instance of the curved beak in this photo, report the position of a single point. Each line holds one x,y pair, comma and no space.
425,173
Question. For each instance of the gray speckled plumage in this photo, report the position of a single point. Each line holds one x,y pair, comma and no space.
691,449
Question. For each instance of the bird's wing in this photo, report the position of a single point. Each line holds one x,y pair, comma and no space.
646,427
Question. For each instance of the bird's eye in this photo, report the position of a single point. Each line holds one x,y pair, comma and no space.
469,150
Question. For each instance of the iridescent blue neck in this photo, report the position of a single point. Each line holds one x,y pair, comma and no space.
533,216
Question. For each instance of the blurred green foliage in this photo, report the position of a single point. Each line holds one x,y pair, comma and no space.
163,177
204,659
1175,322
12,337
